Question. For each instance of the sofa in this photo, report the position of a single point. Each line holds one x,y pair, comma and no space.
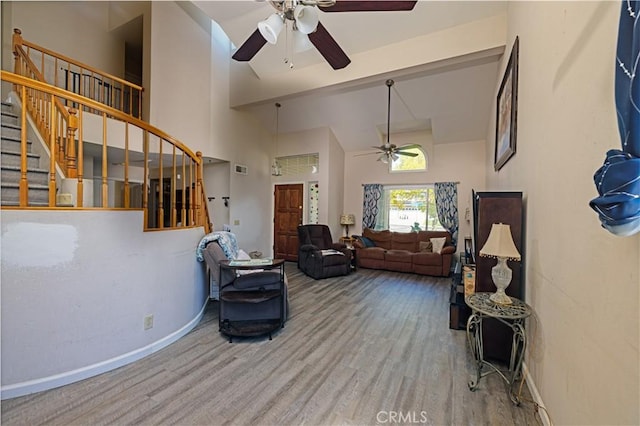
405,251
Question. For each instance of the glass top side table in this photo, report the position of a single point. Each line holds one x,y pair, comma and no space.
513,316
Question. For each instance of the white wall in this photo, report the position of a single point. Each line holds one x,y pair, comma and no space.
582,281
457,162
85,39
74,296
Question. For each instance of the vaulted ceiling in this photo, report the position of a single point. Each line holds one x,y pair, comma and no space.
452,96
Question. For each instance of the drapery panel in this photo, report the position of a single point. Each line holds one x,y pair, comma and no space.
618,180
371,204
447,206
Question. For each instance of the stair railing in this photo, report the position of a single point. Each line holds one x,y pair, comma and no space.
168,186
74,76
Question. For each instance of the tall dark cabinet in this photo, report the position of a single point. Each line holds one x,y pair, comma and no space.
490,208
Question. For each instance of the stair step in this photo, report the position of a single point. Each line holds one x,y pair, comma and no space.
12,158
13,174
13,144
10,194
10,130
10,118
6,107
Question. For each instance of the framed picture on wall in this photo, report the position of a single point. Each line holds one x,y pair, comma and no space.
507,112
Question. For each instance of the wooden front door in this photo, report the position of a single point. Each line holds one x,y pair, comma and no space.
287,216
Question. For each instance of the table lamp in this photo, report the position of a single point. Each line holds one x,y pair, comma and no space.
347,219
500,245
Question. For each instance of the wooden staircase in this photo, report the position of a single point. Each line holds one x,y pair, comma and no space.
10,165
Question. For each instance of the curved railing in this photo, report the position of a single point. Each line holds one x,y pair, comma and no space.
134,165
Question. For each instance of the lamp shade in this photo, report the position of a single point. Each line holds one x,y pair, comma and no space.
271,27
347,219
500,243
306,18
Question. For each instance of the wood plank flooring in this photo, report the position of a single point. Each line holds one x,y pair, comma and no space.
370,348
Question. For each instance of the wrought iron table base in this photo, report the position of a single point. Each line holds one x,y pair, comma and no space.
513,316
484,367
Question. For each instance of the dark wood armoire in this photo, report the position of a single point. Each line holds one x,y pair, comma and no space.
490,208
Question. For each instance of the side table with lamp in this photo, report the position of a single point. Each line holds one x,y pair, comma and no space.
347,219
510,311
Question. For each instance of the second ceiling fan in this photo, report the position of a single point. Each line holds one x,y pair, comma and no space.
303,15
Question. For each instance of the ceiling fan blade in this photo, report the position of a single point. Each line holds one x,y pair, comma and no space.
408,154
369,6
250,47
366,153
410,146
328,48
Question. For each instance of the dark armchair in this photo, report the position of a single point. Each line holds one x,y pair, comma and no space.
318,256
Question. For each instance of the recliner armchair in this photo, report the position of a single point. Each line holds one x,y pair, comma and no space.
318,256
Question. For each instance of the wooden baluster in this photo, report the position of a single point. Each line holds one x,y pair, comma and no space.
61,139
80,195
183,213
174,182
199,189
24,183
160,190
105,186
145,179
72,126
52,158
127,191
191,194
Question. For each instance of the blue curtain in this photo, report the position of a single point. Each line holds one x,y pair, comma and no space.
447,207
618,180
371,204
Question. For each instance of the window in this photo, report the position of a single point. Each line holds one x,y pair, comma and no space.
409,208
405,163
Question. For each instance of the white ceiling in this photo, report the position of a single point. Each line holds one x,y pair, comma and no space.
455,103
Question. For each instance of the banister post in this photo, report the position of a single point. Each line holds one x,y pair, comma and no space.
198,195
16,41
72,126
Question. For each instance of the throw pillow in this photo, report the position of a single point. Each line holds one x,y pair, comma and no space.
425,246
367,242
438,244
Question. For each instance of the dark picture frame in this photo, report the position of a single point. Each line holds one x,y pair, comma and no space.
507,111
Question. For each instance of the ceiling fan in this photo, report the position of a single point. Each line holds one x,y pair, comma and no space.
303,15
388,151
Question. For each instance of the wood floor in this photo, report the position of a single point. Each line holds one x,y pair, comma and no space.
370,348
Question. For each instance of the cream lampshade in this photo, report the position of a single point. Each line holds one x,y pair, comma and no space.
347,219
500,245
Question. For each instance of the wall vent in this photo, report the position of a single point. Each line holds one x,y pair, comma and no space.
241,169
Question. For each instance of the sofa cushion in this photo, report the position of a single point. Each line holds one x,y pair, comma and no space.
371,253
380,238
425,246
404,241
398,256
426,259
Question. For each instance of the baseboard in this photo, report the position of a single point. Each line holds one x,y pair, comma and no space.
544,416
57,380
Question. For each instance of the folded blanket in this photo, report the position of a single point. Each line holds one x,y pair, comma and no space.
330,252
226,240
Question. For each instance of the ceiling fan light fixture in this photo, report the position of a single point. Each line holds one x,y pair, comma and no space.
384,158
394,156
271,27
301,42
306,18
